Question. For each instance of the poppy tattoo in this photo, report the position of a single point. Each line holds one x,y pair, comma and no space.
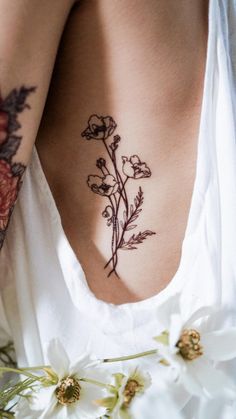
11,172
120,214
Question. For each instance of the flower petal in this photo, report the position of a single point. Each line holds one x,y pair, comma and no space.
58,358
220,345
165,310
88,395
135,159
154,405
84,362
176,325
42,398
199,314
61,412
214,382
95,120
94,180
191,383
109,180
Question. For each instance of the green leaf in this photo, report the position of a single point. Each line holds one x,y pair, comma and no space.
163,338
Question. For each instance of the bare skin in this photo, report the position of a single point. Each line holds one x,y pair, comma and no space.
143,63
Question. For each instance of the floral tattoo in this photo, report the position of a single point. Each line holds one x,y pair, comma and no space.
120,214
11,172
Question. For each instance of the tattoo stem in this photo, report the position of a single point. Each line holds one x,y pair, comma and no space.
118,239
113,242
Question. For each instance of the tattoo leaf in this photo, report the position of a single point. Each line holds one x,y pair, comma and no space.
15,103
10,147
2,237
131,227
136,239
16,100
18,169
135,209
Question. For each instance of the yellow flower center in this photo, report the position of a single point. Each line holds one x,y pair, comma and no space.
131,388
189,344
68,391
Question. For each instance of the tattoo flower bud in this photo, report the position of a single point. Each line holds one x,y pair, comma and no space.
99,127
114,144
4,119
134,168
8,192
108,214
101,163
105,186
116,139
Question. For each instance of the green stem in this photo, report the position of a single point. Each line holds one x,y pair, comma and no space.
97,383
20,371
129,357
5,414
40,367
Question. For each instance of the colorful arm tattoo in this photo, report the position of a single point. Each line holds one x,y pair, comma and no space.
121,215
11,172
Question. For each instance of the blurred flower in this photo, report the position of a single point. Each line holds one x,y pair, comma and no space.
127,388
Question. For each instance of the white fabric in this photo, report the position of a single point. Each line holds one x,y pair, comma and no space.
44,289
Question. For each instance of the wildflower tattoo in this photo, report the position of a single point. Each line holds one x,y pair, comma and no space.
120,214
11,172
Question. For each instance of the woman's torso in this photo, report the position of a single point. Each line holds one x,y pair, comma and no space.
133,63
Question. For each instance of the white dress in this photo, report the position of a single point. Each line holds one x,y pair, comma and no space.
43,287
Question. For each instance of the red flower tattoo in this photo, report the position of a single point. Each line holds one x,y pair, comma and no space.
8,192
10,171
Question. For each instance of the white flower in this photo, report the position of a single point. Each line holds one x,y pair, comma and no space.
126,390
191,348
155,404
71,397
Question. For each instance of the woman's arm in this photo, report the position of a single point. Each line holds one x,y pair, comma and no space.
30,32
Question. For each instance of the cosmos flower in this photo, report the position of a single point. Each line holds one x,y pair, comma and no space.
191,348
127,389
68,395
